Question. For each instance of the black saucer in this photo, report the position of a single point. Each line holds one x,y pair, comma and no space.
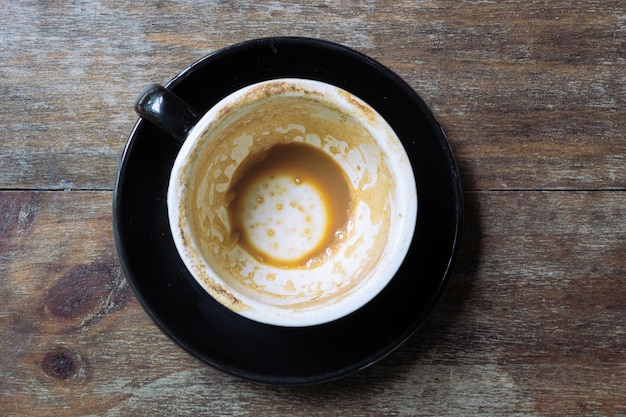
273,354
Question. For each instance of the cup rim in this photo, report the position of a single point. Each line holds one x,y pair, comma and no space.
402,220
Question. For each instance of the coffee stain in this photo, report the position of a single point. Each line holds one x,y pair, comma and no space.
290,286
301,164
224,296
364,109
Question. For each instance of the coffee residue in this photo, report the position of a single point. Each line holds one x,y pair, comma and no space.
277,173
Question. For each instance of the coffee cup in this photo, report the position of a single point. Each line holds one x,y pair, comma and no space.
291,202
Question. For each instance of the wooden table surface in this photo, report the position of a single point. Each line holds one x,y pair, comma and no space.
532,95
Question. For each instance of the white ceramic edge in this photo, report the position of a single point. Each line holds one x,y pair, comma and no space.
280,316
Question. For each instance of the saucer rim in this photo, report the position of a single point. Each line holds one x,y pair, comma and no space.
156,311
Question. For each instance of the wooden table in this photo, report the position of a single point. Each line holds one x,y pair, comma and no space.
533,98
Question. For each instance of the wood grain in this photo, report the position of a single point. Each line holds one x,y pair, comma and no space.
531,323
532,92
532,96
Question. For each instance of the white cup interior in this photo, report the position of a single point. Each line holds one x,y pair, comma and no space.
287,280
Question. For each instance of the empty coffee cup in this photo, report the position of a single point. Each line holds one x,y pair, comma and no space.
292,202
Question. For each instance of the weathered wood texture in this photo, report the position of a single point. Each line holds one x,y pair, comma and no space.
533,98
533,93
532,323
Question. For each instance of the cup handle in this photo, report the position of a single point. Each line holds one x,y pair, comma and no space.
167,111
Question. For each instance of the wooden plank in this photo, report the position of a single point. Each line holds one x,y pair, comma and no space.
531,323
531,93
532,96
